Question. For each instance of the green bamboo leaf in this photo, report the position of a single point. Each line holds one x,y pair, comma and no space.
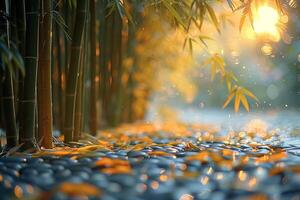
18,60
202,38
8,65
232,76
213,16
119,8
191,46
185,41
111,7
219,60
228,83
4,50
173,12
202,15
128,15
59,20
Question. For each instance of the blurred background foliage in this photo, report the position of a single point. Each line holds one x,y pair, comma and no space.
109,62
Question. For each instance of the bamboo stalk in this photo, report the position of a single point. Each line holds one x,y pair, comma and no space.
44,77
21,24
131,43
14,38
107,68
21,28
8,89
93,121
60,58
28,102
79,99
85,97
117,98
72,77
60,69
102,57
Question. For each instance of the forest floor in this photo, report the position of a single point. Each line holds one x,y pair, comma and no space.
147,161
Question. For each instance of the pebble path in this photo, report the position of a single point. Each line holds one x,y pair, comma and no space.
155,166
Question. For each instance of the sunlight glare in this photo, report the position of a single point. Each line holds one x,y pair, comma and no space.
265,22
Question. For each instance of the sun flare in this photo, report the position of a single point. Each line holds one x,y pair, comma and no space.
265,22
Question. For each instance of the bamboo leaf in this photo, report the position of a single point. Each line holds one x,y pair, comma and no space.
213,16
242,21
228,83
4,50
59,20
250,94
128,14
185,41
229,98
292,3
119,8
173,12
191,46
202,38
245,102
231,4
18,61
237,100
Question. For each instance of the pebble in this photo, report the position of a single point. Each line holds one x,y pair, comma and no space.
136,154
158,177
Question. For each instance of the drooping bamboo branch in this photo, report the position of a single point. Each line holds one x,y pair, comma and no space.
44,76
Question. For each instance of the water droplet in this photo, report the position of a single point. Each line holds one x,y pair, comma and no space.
237,61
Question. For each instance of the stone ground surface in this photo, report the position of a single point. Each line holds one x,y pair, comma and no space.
143,161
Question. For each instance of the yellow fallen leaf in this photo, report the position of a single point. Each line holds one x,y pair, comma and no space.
160,153
79,189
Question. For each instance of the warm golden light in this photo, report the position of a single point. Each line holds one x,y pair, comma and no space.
265,22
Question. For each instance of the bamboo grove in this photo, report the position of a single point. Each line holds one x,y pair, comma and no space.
71,65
